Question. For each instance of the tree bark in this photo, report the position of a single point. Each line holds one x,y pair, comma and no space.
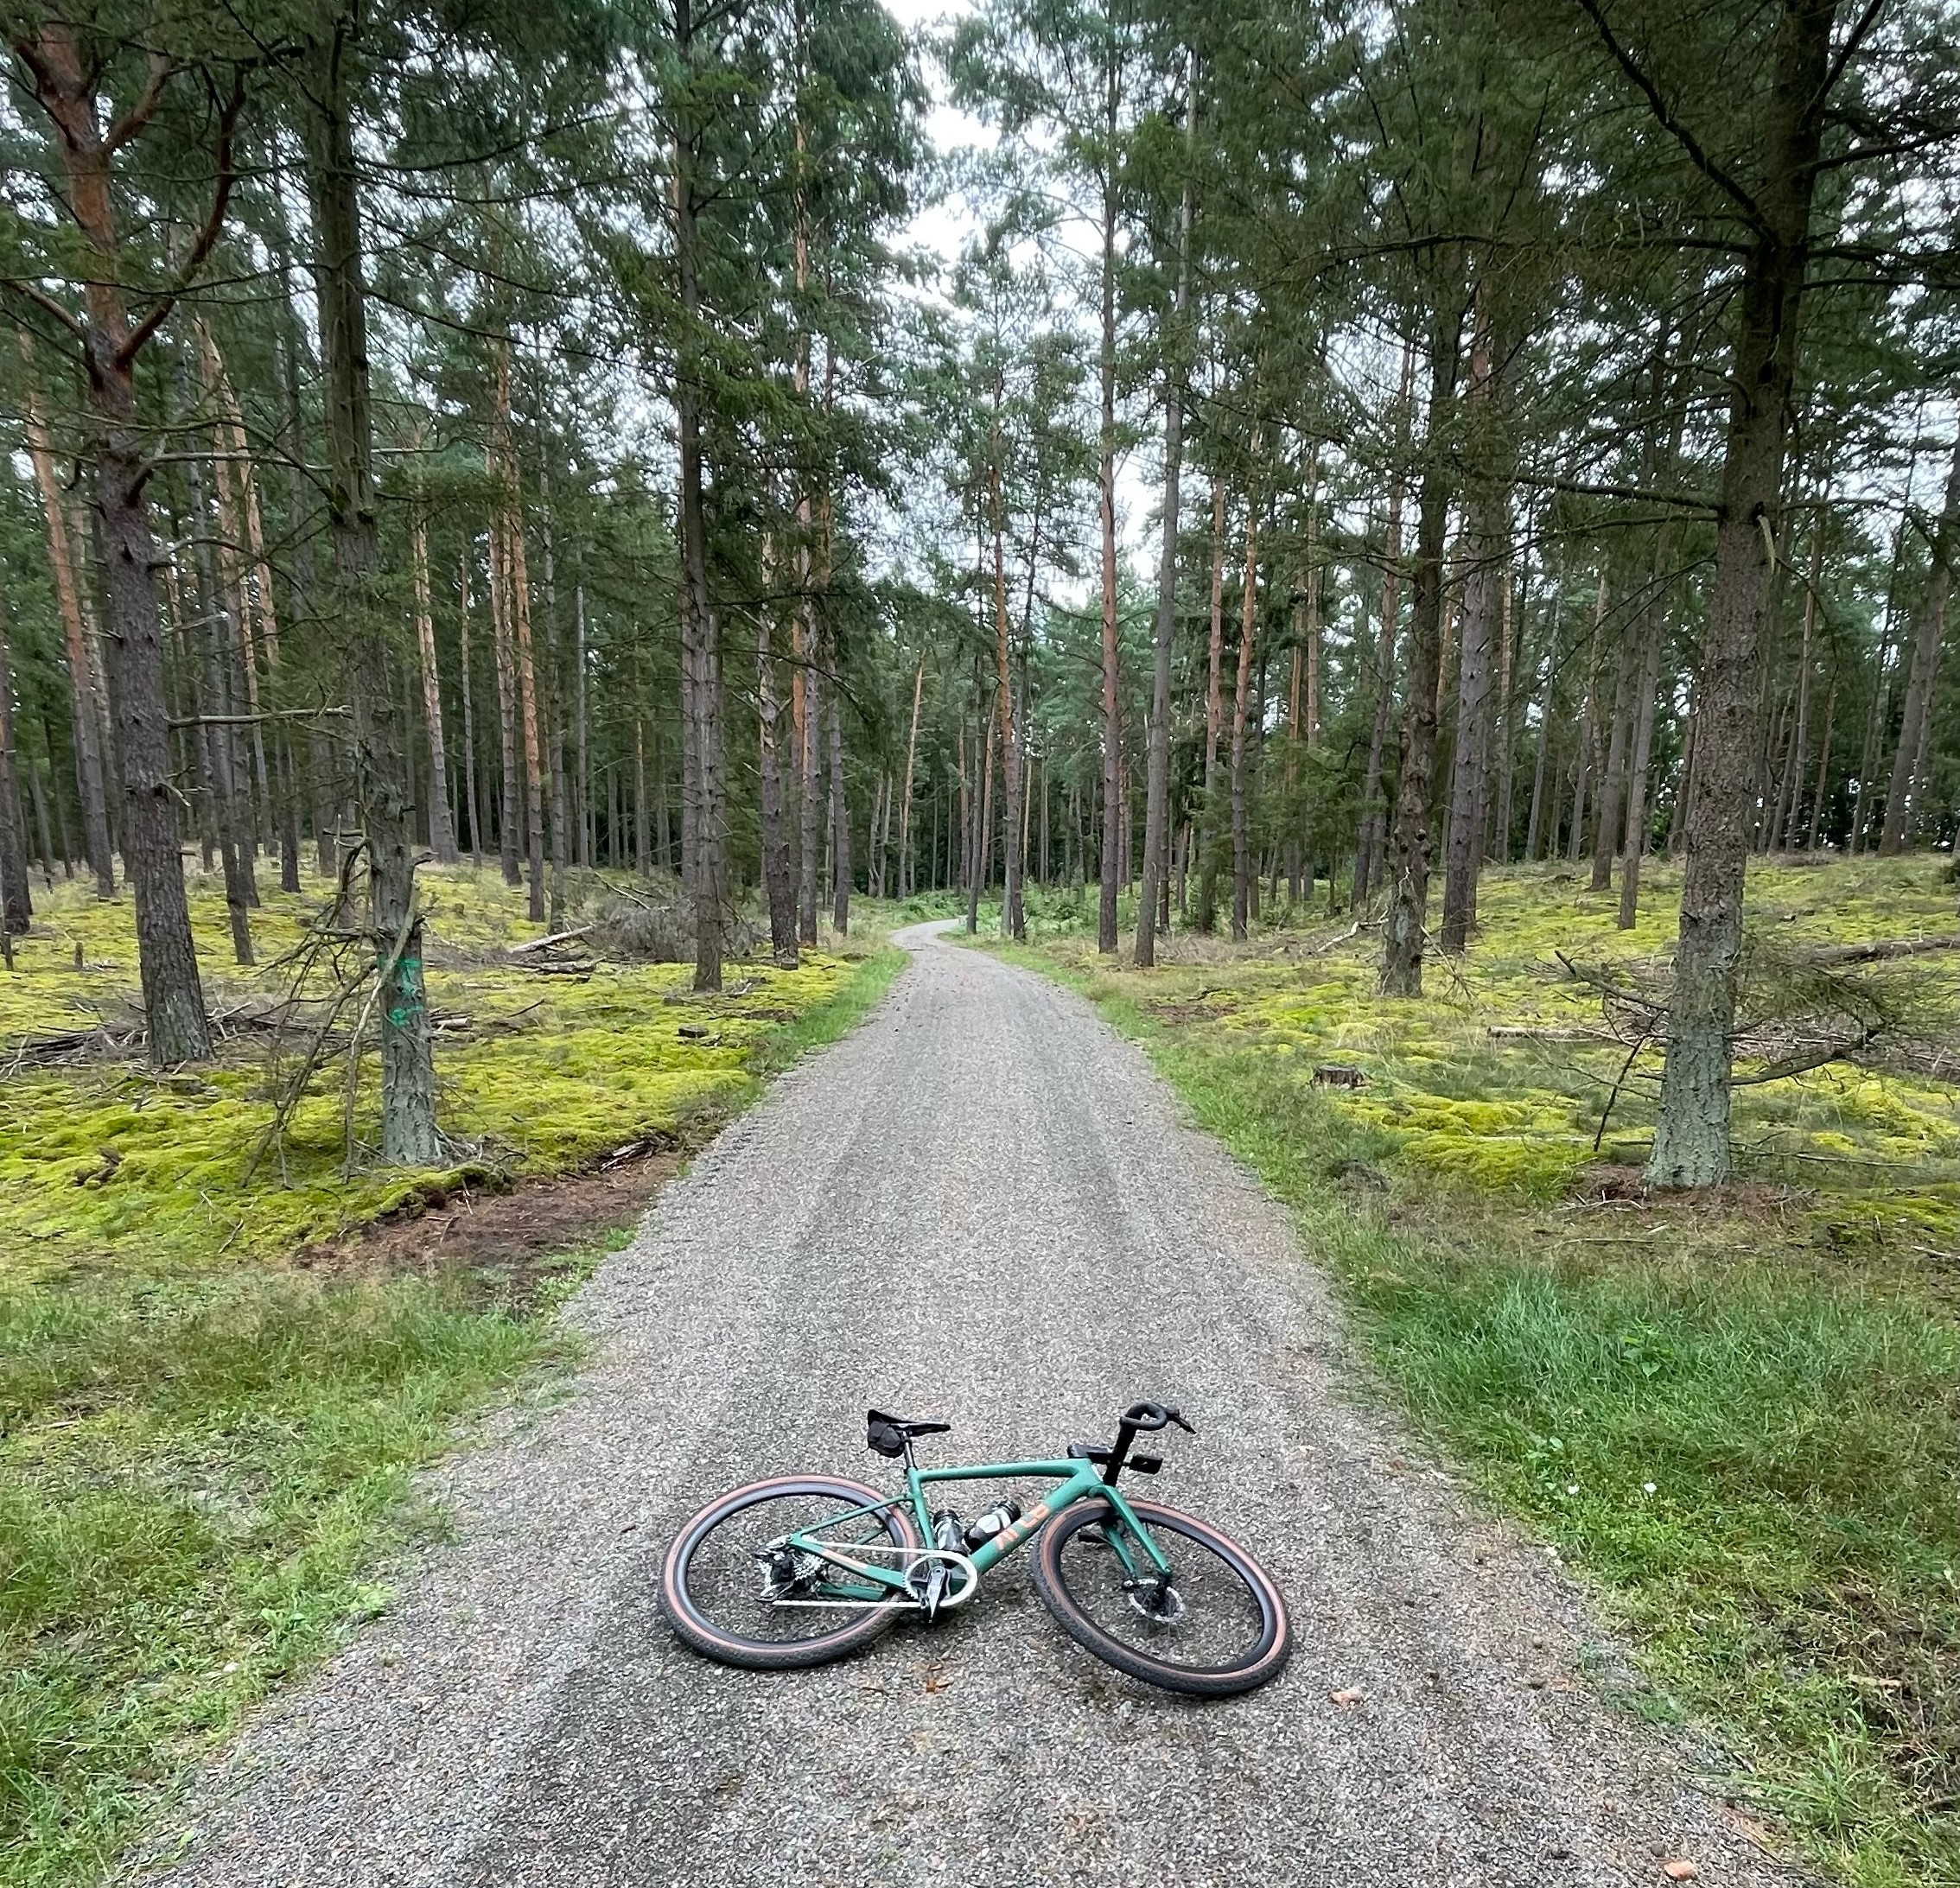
1928,628
16,902
1800,741
840,824
410,1135
1691,1134
1486,536
1613,775
1112,700
474,799
904,806
1635,849
442,831
1373,831
779,891
1248,630
505,663
1214,720
1156,801
81,670
1824,767
172,992
1408,879
1013,921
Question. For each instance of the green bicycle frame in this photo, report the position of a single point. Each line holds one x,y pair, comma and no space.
1080,1481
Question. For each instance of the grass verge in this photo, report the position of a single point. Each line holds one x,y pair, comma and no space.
201,1467
1747,1442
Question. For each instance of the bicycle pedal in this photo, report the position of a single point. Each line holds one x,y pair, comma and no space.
1144,1465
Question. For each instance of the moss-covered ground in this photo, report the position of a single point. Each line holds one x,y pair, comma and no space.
1739,1417
206,1449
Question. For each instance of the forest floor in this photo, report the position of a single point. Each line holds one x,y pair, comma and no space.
216,1377
1738,1416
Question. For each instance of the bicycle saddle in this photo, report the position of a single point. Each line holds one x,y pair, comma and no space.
889,1434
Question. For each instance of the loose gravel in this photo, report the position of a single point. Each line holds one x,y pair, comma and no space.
982,1208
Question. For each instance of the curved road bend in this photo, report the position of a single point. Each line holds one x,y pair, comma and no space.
983,1207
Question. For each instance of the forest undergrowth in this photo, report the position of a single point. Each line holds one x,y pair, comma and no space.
214,1394
1737,1416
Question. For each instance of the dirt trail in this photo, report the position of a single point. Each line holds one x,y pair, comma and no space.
982,1207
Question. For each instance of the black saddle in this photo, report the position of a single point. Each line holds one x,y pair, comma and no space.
889,1435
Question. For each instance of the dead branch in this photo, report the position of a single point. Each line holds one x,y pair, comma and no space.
1882,952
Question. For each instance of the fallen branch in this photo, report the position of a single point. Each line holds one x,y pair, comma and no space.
1880,952
545,943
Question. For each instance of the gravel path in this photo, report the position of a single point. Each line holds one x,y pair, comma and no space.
983,1207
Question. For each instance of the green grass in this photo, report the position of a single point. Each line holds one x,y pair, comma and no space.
1744,1435
202,1466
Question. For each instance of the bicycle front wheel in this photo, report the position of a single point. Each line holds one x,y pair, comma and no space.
1215,1626
732,1589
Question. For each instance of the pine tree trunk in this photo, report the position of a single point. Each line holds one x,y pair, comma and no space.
642,863
1487,536
17,903
1635,848
505,665
1373,835
840,825
67,598
1112,697
1927,631
1242,894
409,1136
779,891
905,806
1800,743
442,831
1156,803
1214,720
473,798
230,822
1612,776
1409,863
1691,1134
1823,768
172,992
1586,762
1012,922
585,818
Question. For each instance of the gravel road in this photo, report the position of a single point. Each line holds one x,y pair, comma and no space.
982,1207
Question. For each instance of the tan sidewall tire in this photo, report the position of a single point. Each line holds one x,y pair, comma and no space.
756,1654
1053,1590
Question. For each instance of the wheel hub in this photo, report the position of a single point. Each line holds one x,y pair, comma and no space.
1157,1600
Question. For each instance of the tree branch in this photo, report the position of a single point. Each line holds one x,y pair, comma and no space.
46,303
207,237
1853,39
1667,121
133,122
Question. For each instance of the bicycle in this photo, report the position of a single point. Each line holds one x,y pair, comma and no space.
760,1577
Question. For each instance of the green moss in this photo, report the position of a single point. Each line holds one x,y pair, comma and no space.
105,1161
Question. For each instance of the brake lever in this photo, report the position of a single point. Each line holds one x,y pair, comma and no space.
1172,1416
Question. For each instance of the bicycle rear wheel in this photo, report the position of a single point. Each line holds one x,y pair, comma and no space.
730,1594
1216,1626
